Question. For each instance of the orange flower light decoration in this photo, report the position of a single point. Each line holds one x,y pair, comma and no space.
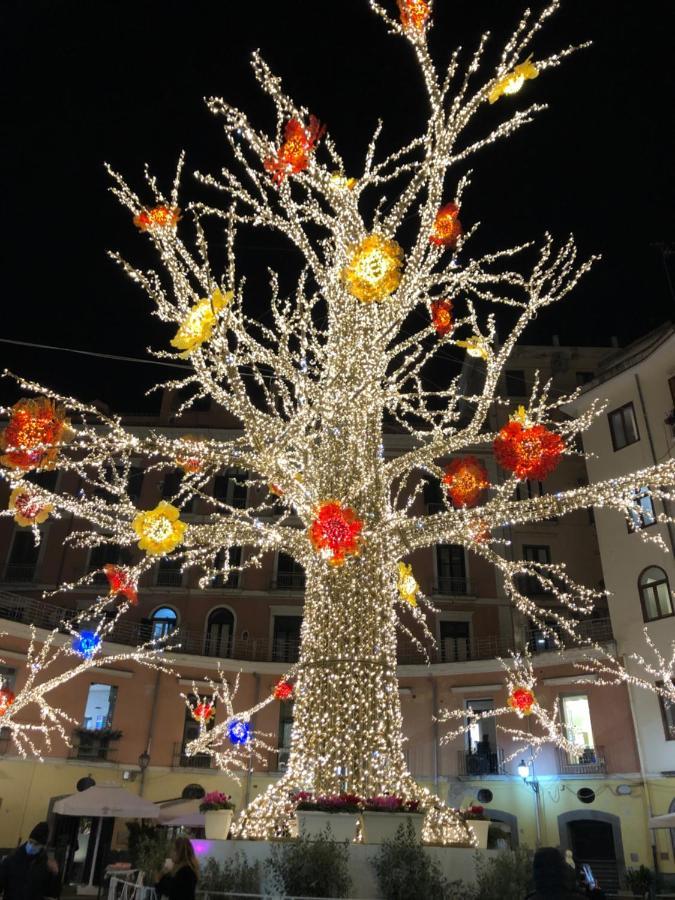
121,582
283,690
29,508
529,451
414,13
6,699
159,218
465,479
441,316
188,459
203,713
197,326
374,269
294,154
35,427
335,532
521,700
447,228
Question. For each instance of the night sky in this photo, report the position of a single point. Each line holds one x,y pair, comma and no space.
124,81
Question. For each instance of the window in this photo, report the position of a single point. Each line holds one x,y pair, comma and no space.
482,757
515,383
576,715
290,574
232,579
623,427
171,485
455,641
584,378
655,594
23,558
530,584
527,490
433,496
667,714
230,488
100,707
219,633
135,483
163,622
642,514
286,639
451,569
100,556
191,729
169,572
285,731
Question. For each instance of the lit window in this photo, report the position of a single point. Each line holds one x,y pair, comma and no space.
623,427
164,620
655,594
641,514
100,706
577,718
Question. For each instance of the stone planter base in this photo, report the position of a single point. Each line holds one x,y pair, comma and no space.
342,825
480,828
382,826
217,824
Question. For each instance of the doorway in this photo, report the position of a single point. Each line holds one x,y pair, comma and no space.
592,841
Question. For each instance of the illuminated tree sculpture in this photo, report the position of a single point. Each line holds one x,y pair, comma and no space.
313,384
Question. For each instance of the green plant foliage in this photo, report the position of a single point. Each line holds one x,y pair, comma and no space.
233,875
639,880
149,846
405,871
507,876
314,868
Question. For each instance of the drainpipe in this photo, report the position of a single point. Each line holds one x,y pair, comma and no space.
643,776
434,730
671,533
151,730
249,769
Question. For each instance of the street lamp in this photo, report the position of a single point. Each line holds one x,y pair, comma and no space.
533,784
143,763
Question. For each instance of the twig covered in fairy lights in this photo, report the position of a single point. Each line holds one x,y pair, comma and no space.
312,386
655,674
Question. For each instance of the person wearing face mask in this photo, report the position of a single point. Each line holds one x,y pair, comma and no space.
28,874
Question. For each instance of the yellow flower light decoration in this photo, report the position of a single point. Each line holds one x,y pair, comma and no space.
199,323
374,269
29,509
160,529
407,586
475,346
514,80
341,182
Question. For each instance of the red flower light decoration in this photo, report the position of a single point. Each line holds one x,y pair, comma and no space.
283,690
441,316
121,582
447,227
414,13
522,700
35,426
293,155
532,452
335,532
203,713
465,478
6,700
157,218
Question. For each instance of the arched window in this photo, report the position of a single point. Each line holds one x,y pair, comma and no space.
655,594
164,620
219,633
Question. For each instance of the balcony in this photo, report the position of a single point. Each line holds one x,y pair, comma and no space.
289,581
169,577
23,572
477,763
452,587
591,762
180,760
95,745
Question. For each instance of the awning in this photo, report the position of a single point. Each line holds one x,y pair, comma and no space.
667,821
109,802
181,812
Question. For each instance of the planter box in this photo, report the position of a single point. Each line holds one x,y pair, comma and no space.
382,826
480,828
312,822
217,824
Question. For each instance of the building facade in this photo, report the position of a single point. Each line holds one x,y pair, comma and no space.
133,725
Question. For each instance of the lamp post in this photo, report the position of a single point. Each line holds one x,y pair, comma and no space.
533,784
143,763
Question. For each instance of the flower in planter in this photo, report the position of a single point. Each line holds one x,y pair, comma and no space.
214,801
475,812
391,803
331,803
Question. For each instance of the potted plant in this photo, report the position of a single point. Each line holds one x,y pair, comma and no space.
217,809
383,816
478,823
339,812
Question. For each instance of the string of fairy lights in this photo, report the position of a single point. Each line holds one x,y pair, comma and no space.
311,391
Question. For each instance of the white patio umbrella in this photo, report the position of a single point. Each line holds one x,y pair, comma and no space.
667,821
105,802
181,812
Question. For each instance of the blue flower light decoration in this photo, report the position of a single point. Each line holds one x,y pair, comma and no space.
86,644
239,732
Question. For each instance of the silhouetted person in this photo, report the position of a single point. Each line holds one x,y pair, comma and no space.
27,874
553,878
181,882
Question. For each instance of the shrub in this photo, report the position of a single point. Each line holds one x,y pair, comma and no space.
233,875
507,876
405,871
148,847
639,880
318,868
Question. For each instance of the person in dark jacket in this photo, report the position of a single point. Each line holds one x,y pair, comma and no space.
553,878
27,874
181,882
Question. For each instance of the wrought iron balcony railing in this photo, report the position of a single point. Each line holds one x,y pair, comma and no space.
481,762
591,762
